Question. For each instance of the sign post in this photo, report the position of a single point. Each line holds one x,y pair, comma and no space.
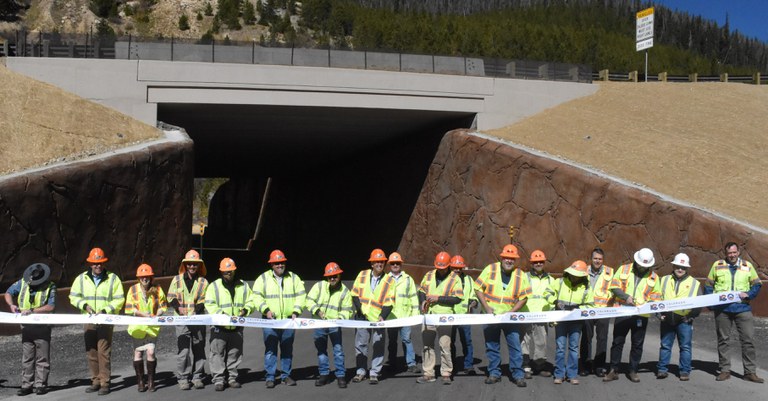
644,34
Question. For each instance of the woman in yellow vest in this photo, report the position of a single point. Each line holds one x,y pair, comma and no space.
145,299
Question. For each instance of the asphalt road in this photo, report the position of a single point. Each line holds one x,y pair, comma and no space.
69,373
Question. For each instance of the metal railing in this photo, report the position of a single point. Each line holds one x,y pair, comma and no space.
760,79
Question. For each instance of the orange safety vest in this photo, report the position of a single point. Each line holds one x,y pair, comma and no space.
650,288
449,287
501,299
601,290
187,299
373,301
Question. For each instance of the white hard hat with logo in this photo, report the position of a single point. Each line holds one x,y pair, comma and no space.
682,259
644,257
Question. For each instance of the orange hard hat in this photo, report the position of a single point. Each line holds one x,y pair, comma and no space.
577,269
332,269
277,256
510,251
192,256
395,257
96,256
538,256
457,262
377,255
144,270
442,260
227,265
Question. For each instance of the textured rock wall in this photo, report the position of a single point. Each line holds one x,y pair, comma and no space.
135,204
477,188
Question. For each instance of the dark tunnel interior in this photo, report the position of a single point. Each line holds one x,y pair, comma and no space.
343,180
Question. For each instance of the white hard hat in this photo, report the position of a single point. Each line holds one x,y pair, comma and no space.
682,259
644,257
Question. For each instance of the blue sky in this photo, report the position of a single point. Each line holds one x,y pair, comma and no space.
749,17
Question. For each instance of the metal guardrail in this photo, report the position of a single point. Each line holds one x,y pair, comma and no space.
628,77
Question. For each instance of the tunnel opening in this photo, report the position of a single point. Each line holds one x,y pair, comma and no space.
338,181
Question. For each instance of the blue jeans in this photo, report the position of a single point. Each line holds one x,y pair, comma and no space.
567,333
273,338
405,337
684,334
321,343
465,335
492,333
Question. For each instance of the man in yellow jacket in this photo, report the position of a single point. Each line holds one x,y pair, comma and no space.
406,305
466,306
279,294
232,297
600,278
542,296
98,291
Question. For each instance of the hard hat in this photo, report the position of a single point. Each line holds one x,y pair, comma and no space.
277,256
144,270
577,269
457,262
395,257
510,251
192,256
538,256
227,265
442,260
644,257
682,259
332,269
377,255
96,256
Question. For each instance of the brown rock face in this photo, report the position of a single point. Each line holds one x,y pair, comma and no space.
136,205
477,188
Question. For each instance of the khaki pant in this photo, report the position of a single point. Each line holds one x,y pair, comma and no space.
724,323
226,354
35,355
98,349
428,335
190,360
534,344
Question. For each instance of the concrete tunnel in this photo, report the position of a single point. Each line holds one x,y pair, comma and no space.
342,181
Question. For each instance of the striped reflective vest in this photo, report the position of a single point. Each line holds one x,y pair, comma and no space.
336,305
406,299
500,298
468,288
137,301
283,299
187,299
372,301
572,296
721,279
601,291
107,296
40,299
542,295
674,289
648,289
218,299
451,286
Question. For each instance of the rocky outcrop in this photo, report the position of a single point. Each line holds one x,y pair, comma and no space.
477,188
134,203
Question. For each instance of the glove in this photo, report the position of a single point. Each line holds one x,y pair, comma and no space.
200,309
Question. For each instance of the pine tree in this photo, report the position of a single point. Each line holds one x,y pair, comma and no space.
183,22
249,13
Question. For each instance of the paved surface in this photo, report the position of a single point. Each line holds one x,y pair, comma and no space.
69,373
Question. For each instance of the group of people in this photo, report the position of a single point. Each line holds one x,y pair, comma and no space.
380,294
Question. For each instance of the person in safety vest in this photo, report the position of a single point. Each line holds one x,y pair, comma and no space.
34,293
94,292
571,292
678,324
440,291
466,306
232,297
330,300
534,344
502,288
600,278
278,294
373,296
633,284
735,274
406,305
186,295
145,299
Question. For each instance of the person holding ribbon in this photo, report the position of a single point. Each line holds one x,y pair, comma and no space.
34,293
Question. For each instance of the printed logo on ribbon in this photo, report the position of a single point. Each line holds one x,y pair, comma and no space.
723,298
161,320
169,320
513,318
585,313
654,307
730,297
661,306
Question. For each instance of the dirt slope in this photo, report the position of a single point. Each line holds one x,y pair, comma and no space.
703,143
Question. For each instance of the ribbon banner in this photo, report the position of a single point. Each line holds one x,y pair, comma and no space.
432,320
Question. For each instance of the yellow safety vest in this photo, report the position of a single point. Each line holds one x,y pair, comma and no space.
218,299
336,305
572,296
542,295
689,287
450,287
41,296
468,289
371,302
406,299
721,279
137,301
648,289
107,296
601,289
187,299
283,300
499,298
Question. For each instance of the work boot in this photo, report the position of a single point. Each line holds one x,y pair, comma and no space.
138,367
752,377
42,390
234,384
24,391
104,390
519,382
184,385
151,367
414,369
662,375
724,375
633,377
322,380
198,384
218,386
342,382
611,376
94,387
